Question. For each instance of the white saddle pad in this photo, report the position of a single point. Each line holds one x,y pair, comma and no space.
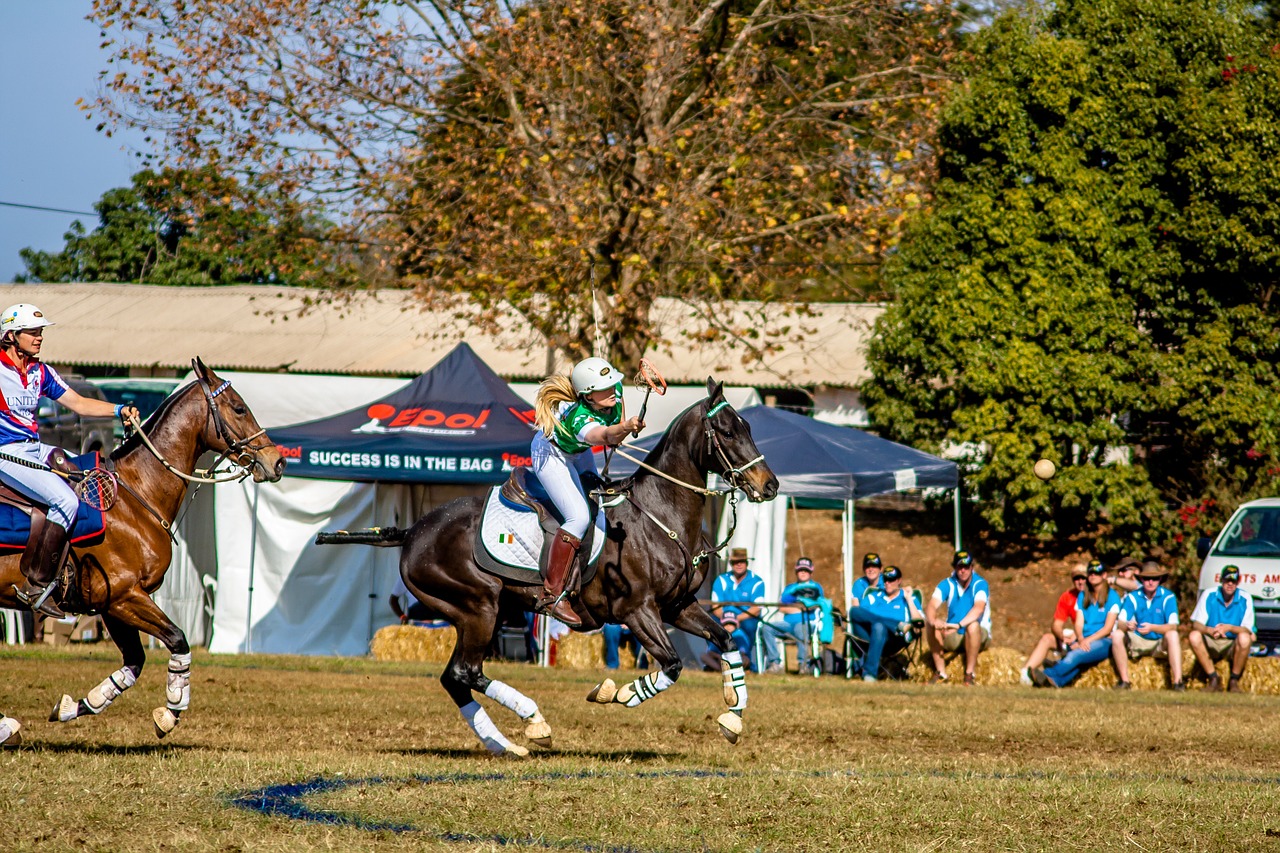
513,537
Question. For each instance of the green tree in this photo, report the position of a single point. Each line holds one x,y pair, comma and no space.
194,228
1094,283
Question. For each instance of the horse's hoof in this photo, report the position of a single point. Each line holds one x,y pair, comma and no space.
10,732
516,751
538,732
65,710
730,726
165,720
604,692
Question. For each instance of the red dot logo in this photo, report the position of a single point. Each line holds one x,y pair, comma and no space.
380,411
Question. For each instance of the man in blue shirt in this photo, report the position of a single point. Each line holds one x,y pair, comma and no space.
1222,625
893,611
797,616
1148,625
967,624
739,585
870,579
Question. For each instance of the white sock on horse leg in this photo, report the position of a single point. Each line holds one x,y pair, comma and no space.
177,689
735,682
484,728
645,687
733,658
511,699
106,692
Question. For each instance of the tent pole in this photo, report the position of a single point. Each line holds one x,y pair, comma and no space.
956,493
253,554
846,525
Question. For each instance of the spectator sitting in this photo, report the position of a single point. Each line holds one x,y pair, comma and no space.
968,621
892,611
1097,609
1148,625
738,584
796,617
1125,579
870,579
1062,631
1222,625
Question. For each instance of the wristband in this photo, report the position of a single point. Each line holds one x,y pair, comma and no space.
119,409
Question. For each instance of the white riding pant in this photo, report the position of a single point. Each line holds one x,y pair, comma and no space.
559,474
45,487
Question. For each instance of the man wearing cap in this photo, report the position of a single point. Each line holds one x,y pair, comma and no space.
1148,625
967,624
797,615
738,585
1222,626
870,579
892,611
1062,632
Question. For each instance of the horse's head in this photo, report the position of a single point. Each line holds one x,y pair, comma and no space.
730,450
233,431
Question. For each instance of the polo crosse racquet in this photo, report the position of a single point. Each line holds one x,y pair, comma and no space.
95,487
650,380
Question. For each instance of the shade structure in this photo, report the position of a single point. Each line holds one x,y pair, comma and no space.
813,459
457,423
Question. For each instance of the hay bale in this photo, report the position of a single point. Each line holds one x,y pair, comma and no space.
580,651
997,665
413,643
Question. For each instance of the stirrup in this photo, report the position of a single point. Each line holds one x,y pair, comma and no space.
548,606
40,603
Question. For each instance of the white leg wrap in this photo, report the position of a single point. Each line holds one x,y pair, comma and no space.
645,687
106,692
9,728
511,699
484,728
177,688
735,682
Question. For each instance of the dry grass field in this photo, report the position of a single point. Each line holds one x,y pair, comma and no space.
342,754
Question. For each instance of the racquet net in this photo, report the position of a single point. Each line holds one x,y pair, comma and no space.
97,488
649,379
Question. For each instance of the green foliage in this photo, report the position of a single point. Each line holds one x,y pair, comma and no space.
192,228
1094,283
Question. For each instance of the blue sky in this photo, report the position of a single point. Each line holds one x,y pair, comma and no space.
50,155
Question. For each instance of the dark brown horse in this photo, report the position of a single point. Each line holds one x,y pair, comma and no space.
117,576
650,571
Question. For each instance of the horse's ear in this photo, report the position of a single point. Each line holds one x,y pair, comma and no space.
714,389
197,366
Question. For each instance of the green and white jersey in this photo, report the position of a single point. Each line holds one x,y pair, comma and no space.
577,418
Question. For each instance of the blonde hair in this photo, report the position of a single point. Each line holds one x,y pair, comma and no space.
551,393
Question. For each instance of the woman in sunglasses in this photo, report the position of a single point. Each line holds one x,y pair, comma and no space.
1097,609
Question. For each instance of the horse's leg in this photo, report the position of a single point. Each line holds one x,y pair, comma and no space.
697,621
130,645
10,731
465,674
136,610
646,626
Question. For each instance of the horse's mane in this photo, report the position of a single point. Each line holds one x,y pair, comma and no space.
658,449
134,441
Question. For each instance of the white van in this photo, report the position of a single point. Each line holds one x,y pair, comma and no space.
1250,540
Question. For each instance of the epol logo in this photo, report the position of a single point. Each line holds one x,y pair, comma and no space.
421,418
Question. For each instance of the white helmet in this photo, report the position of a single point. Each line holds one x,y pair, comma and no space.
592,374
22,316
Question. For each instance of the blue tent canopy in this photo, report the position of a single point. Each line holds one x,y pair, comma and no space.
813,459
457,423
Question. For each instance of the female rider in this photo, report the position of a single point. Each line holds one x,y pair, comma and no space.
574,413
24,379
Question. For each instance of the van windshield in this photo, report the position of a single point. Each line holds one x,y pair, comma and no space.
1252,533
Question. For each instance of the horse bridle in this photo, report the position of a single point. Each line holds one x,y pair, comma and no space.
733,476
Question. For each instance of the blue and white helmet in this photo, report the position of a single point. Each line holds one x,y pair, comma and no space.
22,316
593,374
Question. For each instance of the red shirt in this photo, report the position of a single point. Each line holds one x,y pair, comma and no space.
1067,606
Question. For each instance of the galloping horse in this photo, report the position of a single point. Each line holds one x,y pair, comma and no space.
116,576
649,572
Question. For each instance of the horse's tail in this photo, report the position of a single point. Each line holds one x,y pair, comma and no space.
380,537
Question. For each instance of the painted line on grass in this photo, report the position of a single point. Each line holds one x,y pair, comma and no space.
287,800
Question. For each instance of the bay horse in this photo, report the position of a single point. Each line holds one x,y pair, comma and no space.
649,572
116,576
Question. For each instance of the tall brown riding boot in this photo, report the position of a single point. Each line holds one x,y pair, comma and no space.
40,563
564,548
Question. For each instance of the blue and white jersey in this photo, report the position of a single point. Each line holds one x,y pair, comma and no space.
1160,609
805,594
960,601
896,608
861,587
725,588
20,394
1213,610
1095,615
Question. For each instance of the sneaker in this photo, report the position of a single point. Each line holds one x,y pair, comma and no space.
1024,677
1122,685
969,680
870,678
1178,687
1213,684
1040,679
1233,686
773,668
939,678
